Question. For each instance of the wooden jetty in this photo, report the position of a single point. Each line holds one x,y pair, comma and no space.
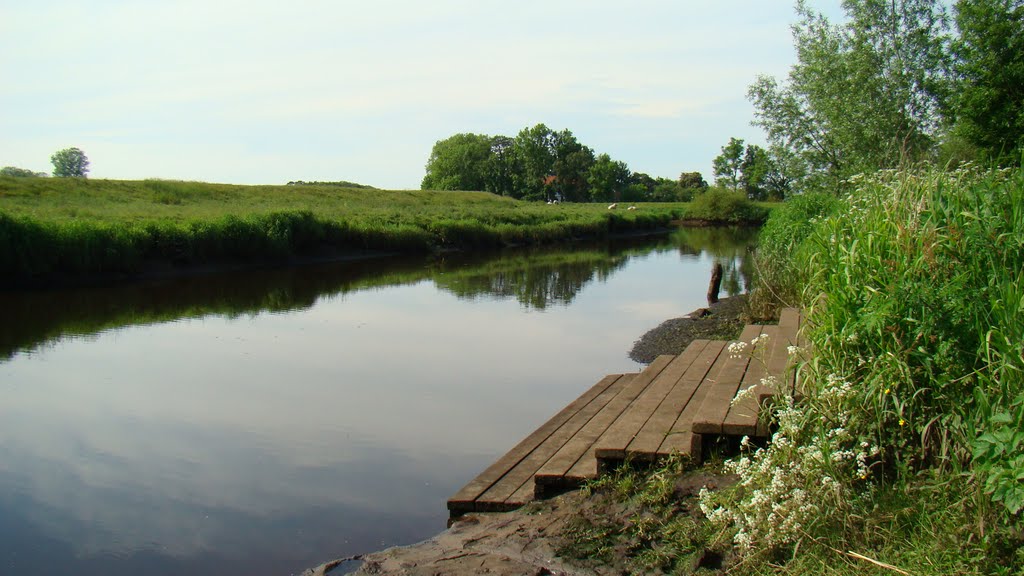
672,406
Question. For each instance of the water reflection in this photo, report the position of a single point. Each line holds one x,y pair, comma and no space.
535,278
263,422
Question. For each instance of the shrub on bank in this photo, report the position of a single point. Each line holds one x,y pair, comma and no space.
720,206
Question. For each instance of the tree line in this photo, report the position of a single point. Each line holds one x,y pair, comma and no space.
543,164
899,83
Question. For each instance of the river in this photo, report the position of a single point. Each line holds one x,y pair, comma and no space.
262,422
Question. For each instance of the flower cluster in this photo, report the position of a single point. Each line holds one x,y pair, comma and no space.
804,475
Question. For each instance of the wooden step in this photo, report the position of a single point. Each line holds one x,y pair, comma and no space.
575,461
725,380
465,500
672,428
611,446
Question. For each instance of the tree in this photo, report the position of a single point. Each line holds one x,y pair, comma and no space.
988,98
727,165
607,178
692,181
70,163
459,162
572,164
19,172
535,154
863,95
502,167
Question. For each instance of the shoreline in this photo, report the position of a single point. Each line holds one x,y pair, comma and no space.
162,269
526,541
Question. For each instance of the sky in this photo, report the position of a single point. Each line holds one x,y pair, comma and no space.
261,92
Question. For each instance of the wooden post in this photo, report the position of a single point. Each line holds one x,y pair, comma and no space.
716,283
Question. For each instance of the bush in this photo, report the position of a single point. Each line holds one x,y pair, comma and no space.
719,206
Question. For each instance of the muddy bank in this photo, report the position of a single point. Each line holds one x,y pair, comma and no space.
721,321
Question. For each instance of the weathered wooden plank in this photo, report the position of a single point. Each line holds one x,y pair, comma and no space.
681,437
524,472
744,409
727,374
550,474
585,465
613,442
463,500
648,441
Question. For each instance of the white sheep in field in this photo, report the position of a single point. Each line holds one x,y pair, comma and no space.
631,208
613,206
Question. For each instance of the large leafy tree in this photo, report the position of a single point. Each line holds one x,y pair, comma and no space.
502,167
988,99
571,167
459,162
535,155
863,95
607,178
70,163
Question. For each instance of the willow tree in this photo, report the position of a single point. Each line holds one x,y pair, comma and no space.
863,95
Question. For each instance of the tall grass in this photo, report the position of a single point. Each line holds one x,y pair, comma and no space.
69,227
909,438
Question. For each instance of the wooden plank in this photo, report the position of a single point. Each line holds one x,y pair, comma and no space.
579,456
648,441
613,442
741,419
681,437
571,451
463,500
524,472
727,375
789,323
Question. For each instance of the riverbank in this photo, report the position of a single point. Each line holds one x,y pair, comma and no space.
580,533
59,231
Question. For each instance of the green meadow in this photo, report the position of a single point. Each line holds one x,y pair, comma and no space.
61,227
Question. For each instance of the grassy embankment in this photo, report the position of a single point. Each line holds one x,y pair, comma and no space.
51,226
906,447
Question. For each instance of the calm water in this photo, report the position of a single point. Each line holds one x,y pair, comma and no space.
264,422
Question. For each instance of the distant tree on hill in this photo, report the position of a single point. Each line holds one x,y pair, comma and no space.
459,162
70,163
20,172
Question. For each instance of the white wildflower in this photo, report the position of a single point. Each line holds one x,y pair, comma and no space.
736,349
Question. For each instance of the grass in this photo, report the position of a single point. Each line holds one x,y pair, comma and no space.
69,227
907,444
